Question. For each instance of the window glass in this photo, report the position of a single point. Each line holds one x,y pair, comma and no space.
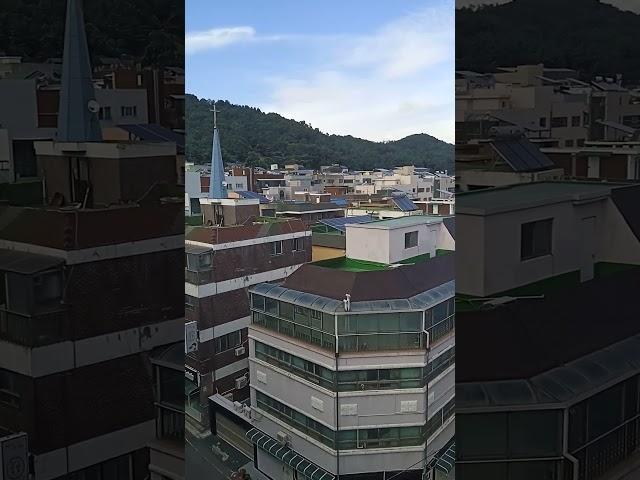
535,240
481,436
257,302
535,434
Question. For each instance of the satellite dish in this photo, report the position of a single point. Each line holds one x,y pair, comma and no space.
93,106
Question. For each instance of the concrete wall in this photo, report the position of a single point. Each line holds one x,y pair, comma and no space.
496,242
388,245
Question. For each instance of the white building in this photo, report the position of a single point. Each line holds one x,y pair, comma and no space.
352,373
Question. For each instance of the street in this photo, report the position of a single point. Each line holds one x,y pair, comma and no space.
203,462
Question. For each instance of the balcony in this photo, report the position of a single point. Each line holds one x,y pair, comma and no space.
34,330
201,277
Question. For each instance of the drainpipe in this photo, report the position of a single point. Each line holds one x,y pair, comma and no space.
335,384
565,444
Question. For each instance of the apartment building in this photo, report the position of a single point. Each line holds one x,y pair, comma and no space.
352,358
548,103
89,292
547,383
72,321
166,450
221,264
613,161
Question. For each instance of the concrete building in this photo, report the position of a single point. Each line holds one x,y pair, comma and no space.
69,330
547,379
221,264
352,361
89,292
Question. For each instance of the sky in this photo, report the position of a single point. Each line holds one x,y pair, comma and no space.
630,5
373,69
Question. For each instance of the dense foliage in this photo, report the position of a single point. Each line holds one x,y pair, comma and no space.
585,35
250,136
150,30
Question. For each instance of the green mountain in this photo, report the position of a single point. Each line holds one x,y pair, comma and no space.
248,135
585,35
152,31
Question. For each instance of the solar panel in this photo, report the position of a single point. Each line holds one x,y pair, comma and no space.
254,195
340,223
404,204
522,155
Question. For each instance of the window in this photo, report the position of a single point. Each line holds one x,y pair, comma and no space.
190,303
104,113
410,239
568,143
276,248
535,239
8,391
238,185
48,287
543,121
298,244
131,111
581,142
585,119
575,121
228,341
199,262
558,122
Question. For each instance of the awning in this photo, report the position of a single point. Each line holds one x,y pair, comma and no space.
288,456
26,263
446,460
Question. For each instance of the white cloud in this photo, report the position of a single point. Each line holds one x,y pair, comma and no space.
216,38
394,83
408,45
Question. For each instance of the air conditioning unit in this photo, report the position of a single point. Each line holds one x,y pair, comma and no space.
238,406
362,445
283,438
241,382
228,396
240,351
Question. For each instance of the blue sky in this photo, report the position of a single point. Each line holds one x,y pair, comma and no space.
373,69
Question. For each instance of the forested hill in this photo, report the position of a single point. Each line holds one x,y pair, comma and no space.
585,35
250,136
152,31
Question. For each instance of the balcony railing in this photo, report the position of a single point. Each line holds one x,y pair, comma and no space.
199,278
34,330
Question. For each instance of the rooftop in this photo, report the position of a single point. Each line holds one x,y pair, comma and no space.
266,227
528,195
521,339
366,281
400,222
76,228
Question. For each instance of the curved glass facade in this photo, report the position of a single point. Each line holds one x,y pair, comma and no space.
356,332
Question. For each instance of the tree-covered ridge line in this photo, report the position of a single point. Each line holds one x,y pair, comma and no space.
586,35
252,137
151,31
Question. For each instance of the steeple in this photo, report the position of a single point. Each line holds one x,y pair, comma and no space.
217,187
78,109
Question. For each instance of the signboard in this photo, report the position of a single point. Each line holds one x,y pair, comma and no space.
14,453
190,337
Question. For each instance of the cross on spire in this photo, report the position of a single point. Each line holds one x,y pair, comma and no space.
215,111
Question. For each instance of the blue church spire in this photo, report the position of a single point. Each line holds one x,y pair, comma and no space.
78,109
217,186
